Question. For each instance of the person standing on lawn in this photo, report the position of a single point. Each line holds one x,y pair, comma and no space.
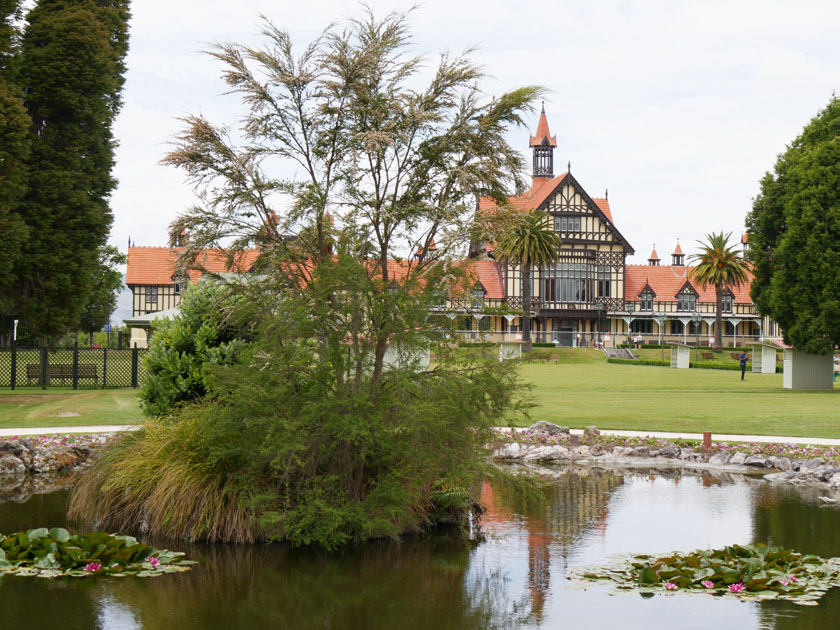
743,359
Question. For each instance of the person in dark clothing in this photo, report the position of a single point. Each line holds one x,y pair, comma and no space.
743,358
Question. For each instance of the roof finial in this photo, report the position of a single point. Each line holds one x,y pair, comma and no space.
543,107
607,194
569,166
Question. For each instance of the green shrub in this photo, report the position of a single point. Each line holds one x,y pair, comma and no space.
180,348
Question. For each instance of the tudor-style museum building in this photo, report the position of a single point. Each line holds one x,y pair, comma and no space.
591,294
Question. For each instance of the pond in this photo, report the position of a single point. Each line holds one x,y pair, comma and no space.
513,577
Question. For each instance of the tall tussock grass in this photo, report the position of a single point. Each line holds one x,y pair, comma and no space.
151,482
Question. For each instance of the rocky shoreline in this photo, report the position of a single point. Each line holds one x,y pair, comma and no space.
546,443
22,456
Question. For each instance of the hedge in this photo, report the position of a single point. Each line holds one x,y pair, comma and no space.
703,365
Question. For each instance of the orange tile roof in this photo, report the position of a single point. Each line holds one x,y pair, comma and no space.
490,278
156,265
678,250
604,205
542,132
666,281
745,237
654,255
530,200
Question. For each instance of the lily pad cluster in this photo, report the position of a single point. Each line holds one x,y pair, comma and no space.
749,572
55,553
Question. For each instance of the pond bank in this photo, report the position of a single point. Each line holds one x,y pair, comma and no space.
47,454
546,443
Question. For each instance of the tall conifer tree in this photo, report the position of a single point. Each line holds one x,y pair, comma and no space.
72,72
14,150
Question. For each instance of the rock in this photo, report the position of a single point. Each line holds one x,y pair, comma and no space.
669,450
596,450
546,453
590,432
641,451
547,427
510,451
759,461
686,453
738,459
11,465
828,500
796,464
809,464
834,481
719,459
580,451
782,463
825,472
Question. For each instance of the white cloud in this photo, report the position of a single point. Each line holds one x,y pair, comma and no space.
677,107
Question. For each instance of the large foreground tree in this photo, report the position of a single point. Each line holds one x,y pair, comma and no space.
719,264
349,161
14,150
71,72
794,230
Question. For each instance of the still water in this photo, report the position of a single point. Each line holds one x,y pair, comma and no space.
514,577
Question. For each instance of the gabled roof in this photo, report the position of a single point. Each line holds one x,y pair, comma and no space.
604,205
667,280
156,265
647,289
543,136
687,287
488,274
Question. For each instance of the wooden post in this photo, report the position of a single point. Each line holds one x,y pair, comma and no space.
76,365
707,440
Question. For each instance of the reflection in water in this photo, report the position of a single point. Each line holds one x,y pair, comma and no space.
514,578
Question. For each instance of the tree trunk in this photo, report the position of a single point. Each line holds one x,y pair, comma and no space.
526,307
718,318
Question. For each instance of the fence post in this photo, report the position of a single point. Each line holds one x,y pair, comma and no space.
134,362
104,367
14,364
76,365
45,367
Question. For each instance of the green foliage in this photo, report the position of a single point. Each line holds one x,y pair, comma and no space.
721,266
794,229
14,150
71,73
179,349
529,241
107,282
55,553
747,571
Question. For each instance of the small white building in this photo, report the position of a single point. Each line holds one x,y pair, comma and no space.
807,371
680,355
764,357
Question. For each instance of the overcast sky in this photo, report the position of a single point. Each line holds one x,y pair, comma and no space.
678,108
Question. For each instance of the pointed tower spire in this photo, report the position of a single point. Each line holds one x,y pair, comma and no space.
543,145
678,258
653,259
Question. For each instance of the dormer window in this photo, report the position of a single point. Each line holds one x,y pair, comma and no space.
566,224
726,304
478,297
180,281
647,301
687,302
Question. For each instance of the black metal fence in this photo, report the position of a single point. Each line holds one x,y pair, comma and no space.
79,368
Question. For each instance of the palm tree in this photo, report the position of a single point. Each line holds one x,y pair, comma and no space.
720,265
529,242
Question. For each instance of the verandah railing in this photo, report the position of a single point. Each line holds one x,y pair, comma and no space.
79,368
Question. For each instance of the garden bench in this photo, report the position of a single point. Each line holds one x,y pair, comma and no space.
708,356
62,372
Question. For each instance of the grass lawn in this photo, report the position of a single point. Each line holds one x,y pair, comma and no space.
649,398
33,407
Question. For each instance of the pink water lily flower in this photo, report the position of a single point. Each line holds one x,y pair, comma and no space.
738,587
670,586
793,578
154,562
784,582
93,566
708,583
